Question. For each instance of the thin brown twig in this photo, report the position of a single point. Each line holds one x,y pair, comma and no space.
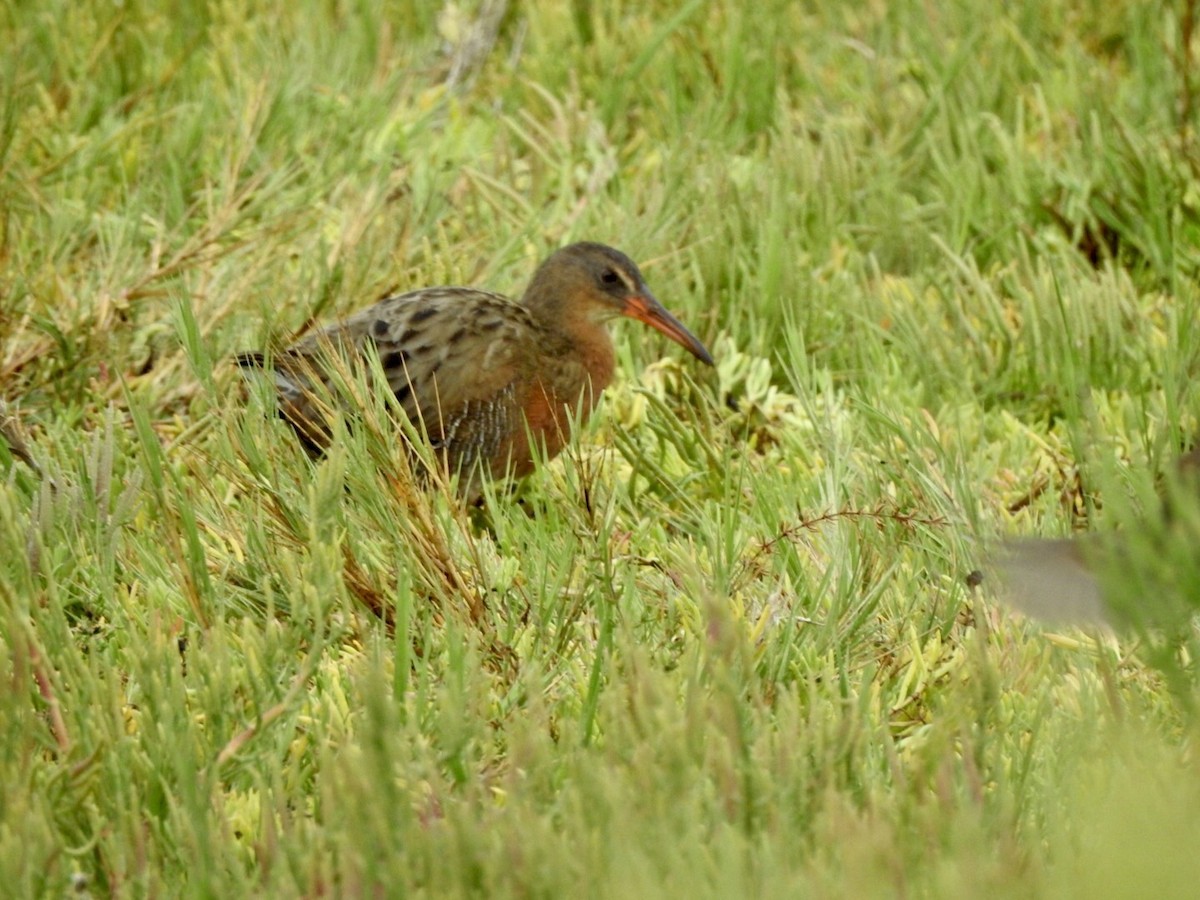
1183,63
475,44
58,725
879,514
244,736
10,431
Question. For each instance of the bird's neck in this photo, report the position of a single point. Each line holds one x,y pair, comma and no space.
596,353
588,352
577,357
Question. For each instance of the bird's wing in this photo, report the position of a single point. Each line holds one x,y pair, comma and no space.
451,356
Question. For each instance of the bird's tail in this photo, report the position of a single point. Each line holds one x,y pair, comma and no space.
251,360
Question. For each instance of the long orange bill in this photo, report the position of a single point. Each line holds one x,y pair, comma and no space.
645,308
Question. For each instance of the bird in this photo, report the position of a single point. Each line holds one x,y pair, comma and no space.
1104,579
491,383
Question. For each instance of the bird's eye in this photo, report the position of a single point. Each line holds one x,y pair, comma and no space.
610,277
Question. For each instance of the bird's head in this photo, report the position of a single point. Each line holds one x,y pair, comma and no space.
598,283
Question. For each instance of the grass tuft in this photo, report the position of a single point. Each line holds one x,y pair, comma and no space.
727,643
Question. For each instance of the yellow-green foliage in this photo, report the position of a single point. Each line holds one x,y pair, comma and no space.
945,256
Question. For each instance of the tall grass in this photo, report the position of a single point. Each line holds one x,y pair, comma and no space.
725,646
